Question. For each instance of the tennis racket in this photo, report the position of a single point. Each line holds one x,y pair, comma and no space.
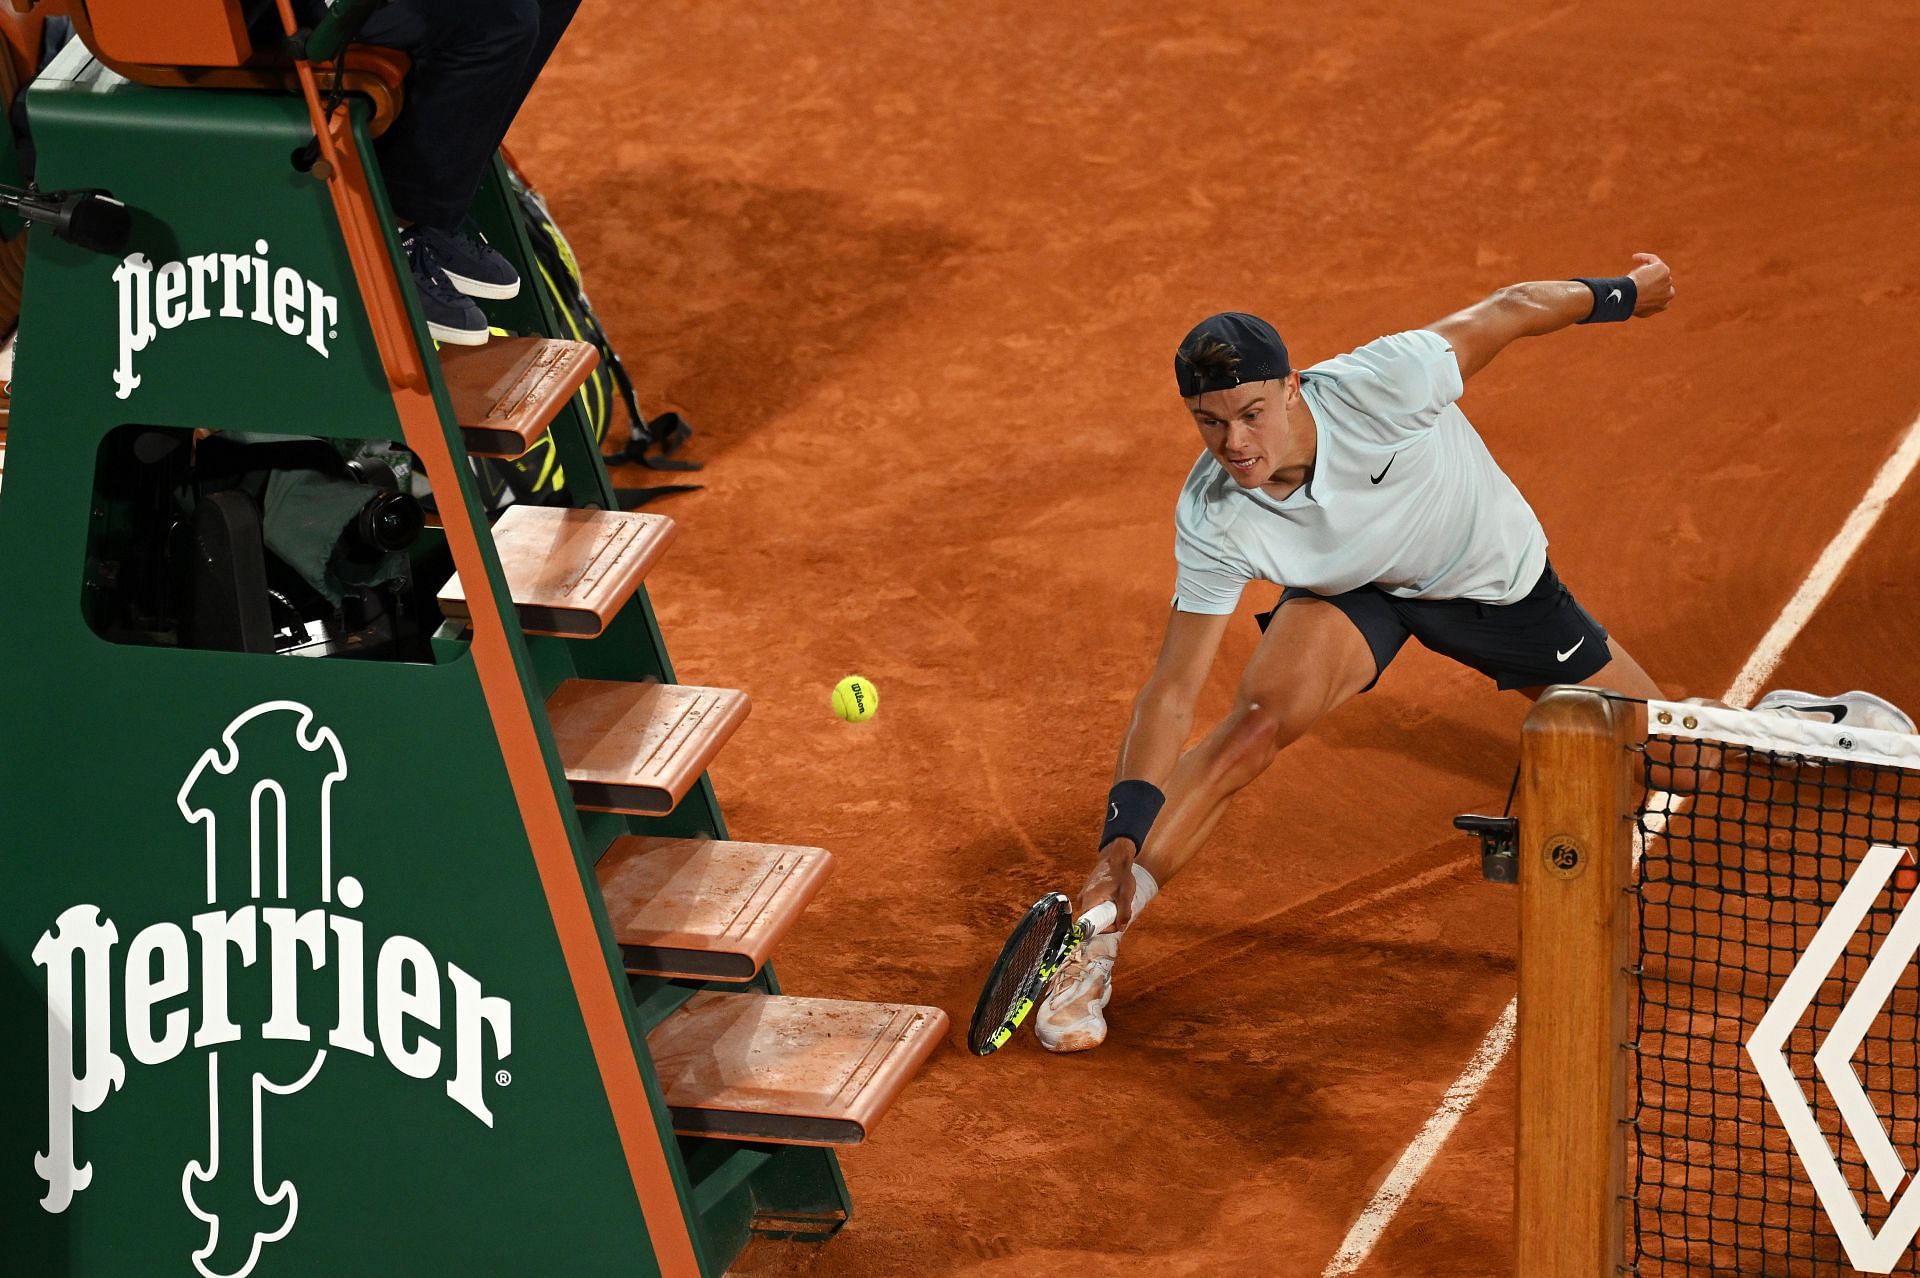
1041,942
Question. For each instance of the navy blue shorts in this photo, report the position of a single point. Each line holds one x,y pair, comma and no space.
1545,637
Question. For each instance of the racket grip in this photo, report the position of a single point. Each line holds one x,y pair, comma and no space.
1100,917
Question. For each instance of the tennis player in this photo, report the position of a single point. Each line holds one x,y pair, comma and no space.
1359,486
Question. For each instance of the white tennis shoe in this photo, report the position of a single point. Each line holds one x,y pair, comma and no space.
1072,1016
1855,709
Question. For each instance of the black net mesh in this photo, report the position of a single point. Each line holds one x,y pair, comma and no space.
1738,873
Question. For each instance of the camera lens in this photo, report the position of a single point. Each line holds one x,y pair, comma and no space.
389,522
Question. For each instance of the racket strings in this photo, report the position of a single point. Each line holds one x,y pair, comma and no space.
1035,946
1024,964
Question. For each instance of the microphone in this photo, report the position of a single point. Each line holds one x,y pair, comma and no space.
91,219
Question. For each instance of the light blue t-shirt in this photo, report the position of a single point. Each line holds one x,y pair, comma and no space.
1404,495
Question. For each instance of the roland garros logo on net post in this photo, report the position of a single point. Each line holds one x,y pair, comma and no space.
228,285
268,840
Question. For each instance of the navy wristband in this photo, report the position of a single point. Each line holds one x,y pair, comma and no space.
1131,809
1613,299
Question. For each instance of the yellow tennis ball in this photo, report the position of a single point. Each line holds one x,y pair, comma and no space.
855,699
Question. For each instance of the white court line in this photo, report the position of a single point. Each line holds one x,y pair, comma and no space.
1406,1173
1419,1155
1826,570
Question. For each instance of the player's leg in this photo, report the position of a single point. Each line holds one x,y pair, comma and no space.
1621,674
1312,658
1624,675
1316,653
1545,638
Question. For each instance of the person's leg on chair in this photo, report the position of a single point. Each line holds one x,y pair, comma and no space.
475,61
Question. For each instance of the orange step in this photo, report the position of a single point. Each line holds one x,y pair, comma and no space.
507,392
569,571
791,1071
639,747
705,909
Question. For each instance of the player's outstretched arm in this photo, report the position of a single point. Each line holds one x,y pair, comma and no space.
1162,721
1538,307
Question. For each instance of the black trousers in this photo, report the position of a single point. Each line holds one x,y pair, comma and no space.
473,63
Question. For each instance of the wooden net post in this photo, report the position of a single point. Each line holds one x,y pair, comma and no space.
1576,866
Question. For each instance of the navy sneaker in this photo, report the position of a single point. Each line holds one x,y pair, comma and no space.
451,315
472,265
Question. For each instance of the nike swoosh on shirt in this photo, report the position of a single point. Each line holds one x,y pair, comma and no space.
1384,469
1562,656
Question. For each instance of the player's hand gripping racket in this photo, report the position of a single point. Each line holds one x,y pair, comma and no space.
1041,942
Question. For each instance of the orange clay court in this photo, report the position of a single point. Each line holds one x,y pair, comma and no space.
915,273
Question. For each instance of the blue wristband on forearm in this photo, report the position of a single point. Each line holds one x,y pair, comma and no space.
1613,300
1131,809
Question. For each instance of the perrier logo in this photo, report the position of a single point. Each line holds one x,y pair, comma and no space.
155,299
293,945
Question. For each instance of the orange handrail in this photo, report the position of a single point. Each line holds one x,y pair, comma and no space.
554,860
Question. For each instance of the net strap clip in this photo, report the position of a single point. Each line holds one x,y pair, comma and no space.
1499,845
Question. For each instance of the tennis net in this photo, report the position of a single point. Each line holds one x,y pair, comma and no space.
1768,1104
